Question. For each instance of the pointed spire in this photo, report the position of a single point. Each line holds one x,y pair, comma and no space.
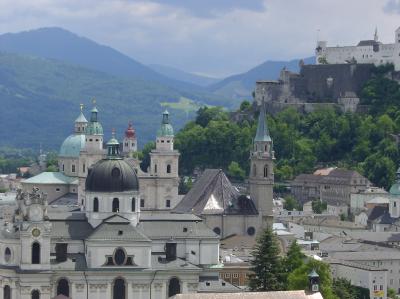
262,128
94,111
81,118
376,34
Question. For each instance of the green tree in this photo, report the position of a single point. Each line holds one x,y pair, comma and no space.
235,171
343,289
207,114
145,164
52,168
245,105
391,293
318,206
266,264
294,258
291,203
298,279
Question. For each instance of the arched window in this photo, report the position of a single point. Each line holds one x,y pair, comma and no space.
266,171
35,294
254,170
174,287
35,253
119,289
266,148
169,168
115,205
95,204
63,287
7,292
133,204
7,254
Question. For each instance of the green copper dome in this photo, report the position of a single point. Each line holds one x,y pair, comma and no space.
166,128
72,146
94,128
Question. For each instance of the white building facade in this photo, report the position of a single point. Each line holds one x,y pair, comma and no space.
367,51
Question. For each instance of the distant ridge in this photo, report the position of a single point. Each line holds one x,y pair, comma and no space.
240,86
63,45
180,75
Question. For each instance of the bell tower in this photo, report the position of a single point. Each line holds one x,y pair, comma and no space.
35,230
261,179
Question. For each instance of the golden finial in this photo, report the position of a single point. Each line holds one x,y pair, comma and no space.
94,101
81,105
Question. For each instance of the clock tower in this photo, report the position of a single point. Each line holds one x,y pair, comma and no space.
35,230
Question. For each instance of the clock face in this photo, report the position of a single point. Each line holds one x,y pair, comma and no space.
35,213
36,232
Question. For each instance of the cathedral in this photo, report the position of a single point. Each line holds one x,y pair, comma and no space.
103,228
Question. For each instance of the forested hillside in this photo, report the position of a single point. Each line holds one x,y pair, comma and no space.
364,142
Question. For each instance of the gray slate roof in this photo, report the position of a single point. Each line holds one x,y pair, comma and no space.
117,228
213,193
71,229
176,229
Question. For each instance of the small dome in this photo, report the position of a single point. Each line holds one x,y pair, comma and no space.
130,132
166,128
94,128
395,189
112,175
72,146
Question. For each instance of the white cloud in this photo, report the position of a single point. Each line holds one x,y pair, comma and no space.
217,37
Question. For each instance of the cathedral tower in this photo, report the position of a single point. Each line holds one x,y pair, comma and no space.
130,141
35,230
92,152
262,170
161,187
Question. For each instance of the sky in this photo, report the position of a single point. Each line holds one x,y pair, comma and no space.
210,37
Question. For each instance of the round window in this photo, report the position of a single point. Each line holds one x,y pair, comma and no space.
119,257
251,231
217,230
115,172
7,254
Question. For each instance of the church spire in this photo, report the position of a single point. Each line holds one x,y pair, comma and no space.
262,128
376,34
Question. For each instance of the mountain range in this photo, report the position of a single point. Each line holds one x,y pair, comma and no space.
46,73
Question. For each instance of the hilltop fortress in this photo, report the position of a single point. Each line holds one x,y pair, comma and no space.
336,80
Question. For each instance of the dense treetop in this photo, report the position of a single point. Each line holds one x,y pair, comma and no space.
303,142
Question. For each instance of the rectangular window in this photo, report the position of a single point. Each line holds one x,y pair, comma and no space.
168,203
73,168
142,203
227,275
57,189
235,275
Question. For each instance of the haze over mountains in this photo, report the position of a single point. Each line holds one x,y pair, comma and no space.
46,73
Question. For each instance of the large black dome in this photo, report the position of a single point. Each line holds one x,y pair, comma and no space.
112,175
